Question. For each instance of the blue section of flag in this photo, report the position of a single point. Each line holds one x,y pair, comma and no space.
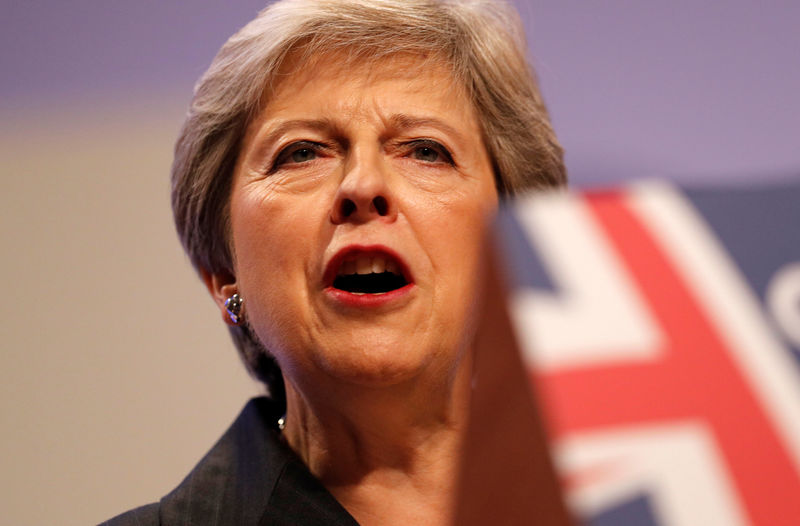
522,265
634,512
760,228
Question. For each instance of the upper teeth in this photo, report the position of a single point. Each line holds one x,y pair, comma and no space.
368,265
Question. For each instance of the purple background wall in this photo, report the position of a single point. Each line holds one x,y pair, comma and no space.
695,91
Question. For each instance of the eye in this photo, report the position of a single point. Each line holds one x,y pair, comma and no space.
426,154
303,154
297,153
429,151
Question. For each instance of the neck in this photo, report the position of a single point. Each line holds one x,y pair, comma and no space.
381,448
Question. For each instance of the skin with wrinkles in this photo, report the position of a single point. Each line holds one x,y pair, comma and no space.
392,156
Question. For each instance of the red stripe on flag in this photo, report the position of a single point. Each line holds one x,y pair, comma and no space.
694,378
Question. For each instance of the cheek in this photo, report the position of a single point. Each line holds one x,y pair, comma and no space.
454,242
455,232
466,212
272,240
273,243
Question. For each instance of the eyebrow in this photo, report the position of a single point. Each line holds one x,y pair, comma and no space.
312,124
403,121
260,144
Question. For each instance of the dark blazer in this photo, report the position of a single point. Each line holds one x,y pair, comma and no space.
250,477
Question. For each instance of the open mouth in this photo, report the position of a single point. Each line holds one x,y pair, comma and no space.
369,274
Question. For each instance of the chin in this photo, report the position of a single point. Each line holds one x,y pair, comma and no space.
379,361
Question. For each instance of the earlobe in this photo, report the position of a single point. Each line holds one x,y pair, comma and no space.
224,290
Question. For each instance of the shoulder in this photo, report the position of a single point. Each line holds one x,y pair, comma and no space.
232,480
249,477
143,516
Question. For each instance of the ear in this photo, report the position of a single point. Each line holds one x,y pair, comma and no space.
221,285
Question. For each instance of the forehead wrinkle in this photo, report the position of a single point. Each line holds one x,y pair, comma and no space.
351,108
323,124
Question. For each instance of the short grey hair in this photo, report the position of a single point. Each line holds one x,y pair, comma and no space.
481,42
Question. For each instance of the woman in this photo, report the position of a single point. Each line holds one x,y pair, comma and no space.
331,185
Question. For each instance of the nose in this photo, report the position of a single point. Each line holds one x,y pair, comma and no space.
364,193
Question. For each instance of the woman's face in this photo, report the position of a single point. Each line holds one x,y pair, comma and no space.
357,214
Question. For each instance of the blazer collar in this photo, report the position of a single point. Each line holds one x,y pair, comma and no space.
251,477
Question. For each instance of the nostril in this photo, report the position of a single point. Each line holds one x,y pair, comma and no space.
381,206
347,207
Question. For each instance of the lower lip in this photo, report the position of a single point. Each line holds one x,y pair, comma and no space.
368,301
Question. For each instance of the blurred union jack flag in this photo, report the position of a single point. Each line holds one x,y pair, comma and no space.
661,329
